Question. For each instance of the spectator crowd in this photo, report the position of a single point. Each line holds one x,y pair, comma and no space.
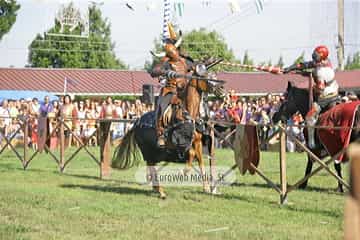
85,113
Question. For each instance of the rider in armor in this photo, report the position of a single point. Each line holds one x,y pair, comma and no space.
326,90
171,61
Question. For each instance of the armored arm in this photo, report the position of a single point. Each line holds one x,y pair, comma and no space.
299,66
160,69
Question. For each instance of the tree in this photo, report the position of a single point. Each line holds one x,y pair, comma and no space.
200,44
69,52
8,13
246,59
300,59
354,62
269,63
280,62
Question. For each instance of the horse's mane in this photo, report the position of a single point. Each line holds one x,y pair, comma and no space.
300,96
300,91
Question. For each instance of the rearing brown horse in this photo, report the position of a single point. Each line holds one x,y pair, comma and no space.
143,136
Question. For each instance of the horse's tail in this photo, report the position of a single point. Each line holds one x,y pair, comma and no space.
126,154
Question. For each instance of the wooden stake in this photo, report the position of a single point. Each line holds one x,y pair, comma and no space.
62,146
26,134
283,180
105,149
317,159
212,161
352,208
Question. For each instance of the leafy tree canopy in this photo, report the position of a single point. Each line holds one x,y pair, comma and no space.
280,62
353,62
300,59
8,13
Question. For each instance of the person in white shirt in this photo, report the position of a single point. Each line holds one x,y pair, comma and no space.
4,120
118,127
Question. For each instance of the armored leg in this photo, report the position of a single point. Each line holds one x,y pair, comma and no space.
162,104
311,119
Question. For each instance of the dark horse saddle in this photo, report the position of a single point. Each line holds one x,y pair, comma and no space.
178,133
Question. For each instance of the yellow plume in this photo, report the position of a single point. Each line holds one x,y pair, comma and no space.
172,32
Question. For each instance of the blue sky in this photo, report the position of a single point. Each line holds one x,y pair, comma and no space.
286,27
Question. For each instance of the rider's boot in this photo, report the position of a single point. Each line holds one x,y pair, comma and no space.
161,141
160,134
311,119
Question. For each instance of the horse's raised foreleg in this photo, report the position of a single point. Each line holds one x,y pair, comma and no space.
198,153
338,171
155,181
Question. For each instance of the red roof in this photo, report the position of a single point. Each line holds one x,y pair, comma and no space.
118,82
261,83
80,81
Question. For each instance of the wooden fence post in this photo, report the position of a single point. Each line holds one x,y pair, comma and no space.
352,208
62,145
212,161
26,135
283,180
105,149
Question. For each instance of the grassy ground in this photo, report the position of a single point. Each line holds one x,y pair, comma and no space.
41,203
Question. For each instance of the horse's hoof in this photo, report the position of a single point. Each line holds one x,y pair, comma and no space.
162,196
303,186
207,189
214,191
185,171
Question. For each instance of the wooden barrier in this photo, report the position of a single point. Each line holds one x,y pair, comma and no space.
283,179
105,153
352,207
283,189
23,125
105,149
104,160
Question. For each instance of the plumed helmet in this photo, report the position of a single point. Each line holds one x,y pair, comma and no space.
170,49
320,53
172,33
169,43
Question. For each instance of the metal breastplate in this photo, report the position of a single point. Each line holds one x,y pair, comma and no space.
331,87
179,67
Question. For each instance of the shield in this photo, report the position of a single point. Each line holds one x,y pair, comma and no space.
246,148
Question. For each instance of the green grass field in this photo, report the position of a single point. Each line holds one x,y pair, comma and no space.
42,203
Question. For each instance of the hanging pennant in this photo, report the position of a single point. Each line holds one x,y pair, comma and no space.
259,5
179,8
206,3
151,5
129,6
234,6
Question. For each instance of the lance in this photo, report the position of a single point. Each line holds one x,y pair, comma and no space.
270,69
172,74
